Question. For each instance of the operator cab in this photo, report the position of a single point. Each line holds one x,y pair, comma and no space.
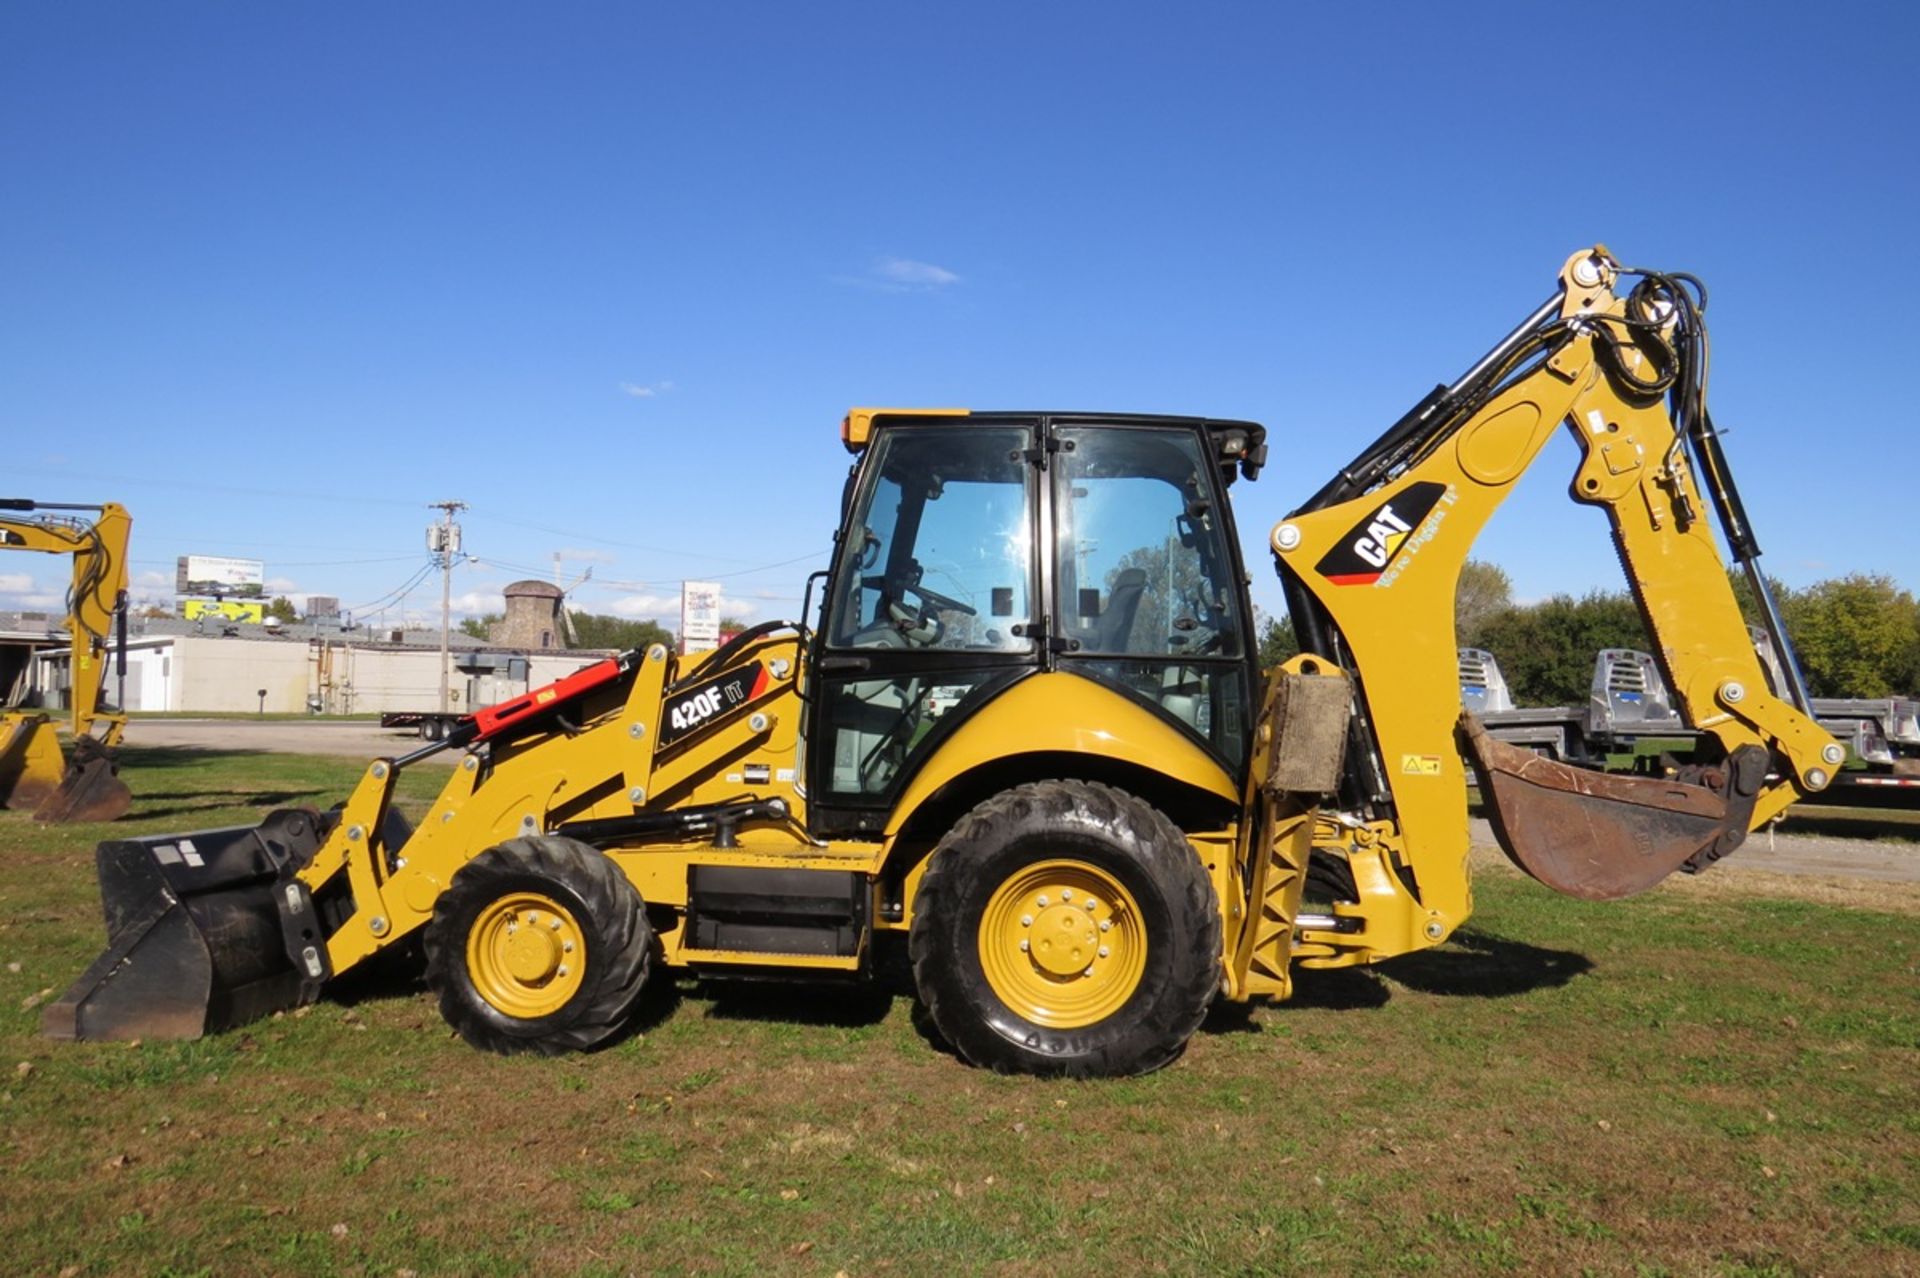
976,550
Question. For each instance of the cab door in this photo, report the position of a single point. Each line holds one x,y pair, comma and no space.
1150,601
931,607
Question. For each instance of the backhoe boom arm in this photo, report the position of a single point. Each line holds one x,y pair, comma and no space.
1371,564
32,773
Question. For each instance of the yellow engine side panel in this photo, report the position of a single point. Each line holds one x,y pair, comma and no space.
1065,713
1059,712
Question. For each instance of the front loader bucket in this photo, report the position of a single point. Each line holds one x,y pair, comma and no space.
1601,836
90,790
30,760
204,931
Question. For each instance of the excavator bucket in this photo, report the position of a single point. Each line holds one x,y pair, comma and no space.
1601,836
30,761
204,931
90,789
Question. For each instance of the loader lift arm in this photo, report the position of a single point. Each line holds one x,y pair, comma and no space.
1370,565
32,773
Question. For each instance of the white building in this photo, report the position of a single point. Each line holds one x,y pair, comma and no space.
308,670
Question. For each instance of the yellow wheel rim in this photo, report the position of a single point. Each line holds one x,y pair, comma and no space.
1062,944
526,955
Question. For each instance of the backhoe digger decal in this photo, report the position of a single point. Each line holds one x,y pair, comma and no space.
1364,553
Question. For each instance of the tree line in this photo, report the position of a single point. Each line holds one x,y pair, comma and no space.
1856,635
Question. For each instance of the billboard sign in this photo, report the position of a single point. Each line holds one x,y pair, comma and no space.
699,616
223,610
222,577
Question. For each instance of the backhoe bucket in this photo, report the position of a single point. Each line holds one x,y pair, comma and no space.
30,760
1601,836
204,931
90,790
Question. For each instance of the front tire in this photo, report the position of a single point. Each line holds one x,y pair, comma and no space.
539,945
1066,927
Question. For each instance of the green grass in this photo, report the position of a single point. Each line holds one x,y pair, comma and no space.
1689,1083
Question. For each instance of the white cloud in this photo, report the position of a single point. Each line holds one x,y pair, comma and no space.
579,556
13,583
905,273
900,275
475,603
646,390
155,580
644,605
280,585
665,609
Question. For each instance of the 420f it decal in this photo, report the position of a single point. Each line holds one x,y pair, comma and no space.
713,700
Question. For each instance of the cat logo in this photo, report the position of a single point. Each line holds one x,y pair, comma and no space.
1371,544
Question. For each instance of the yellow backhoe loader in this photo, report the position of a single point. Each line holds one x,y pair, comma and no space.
33,773
1028,742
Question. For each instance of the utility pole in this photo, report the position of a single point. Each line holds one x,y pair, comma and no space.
443,539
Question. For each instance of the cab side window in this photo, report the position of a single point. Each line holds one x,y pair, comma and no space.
1146,596
933,596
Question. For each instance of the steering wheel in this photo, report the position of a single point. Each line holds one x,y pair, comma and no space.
938,600
919,623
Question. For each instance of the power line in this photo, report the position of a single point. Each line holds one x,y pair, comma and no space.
399,590
300,563
643,584
479,513
193,486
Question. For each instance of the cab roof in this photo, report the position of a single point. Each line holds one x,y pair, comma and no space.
1235,443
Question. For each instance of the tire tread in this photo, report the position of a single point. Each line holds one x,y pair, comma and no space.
614,913
1140,833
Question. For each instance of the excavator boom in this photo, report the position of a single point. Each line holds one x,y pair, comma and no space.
1370,566
33,773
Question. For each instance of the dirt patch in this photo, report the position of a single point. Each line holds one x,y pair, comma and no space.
1772,855
1732,881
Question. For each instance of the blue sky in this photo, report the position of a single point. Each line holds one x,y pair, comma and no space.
278,276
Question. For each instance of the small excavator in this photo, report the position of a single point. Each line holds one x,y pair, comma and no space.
33,772
1027,749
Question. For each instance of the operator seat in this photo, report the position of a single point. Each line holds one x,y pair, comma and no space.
1116,623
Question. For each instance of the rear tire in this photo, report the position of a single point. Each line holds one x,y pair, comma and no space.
1066,927
539,945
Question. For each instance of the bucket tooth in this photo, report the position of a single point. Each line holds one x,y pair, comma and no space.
1601,836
